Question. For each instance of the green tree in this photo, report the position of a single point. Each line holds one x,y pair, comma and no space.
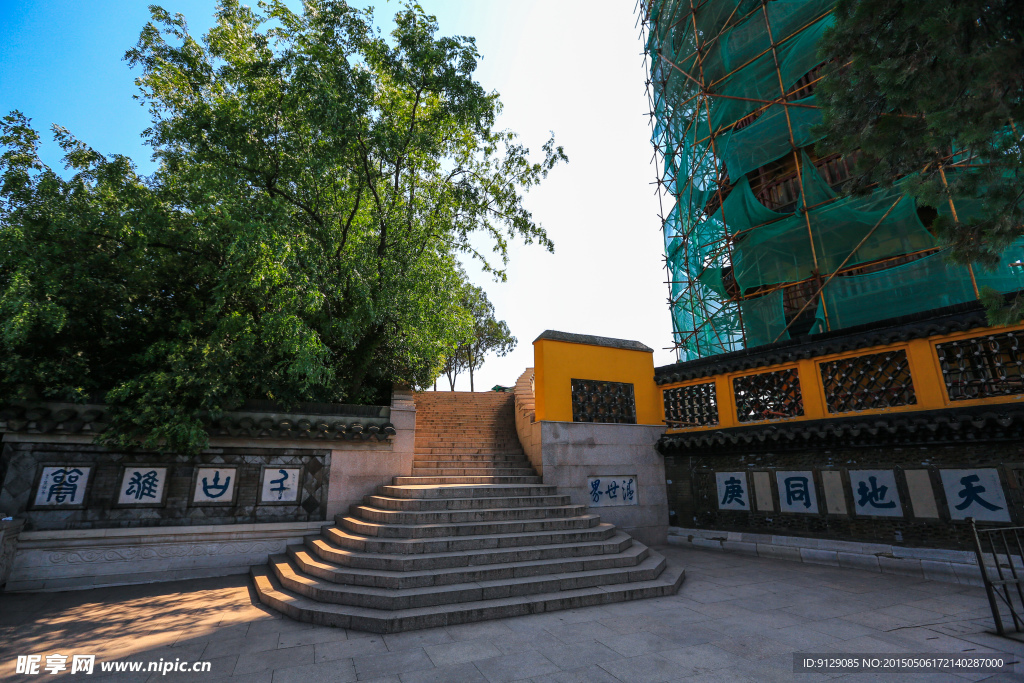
934,90
299,241
487,335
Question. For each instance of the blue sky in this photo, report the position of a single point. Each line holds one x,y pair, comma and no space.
574,67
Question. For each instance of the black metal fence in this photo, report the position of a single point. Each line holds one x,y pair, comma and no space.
1001,560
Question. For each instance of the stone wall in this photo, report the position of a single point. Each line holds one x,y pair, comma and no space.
9,531
574,452
63,560
527,427
25,459
921,519
358,471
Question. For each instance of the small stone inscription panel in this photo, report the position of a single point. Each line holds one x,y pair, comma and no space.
215,485
142,486
613,490
875,494
733,492
975,493
797,492
281,484
62,486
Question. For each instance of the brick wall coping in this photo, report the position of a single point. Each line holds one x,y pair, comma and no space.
627,344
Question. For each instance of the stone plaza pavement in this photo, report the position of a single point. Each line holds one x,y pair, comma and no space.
736,618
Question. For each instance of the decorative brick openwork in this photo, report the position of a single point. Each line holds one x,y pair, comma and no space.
768,396
594,401
692,406
877,380
982,367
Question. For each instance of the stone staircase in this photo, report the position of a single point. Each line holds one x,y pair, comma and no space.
472,535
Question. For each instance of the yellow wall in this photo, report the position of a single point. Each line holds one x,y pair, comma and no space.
557,363
929,386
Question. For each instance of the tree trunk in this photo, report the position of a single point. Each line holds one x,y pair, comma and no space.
471,372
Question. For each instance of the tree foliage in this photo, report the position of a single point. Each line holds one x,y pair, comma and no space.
299,241
487,335
934,90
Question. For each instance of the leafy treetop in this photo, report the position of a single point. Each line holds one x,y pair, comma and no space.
299,241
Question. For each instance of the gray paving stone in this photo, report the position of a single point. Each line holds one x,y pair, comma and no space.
681,636
589,674
581,632
508,668
703,658
414,639
338,671
344,649
404,661
457,673
236,646
647,668
274,659
578,654
447,654
312,636
752,646
523,642
482,629
635,644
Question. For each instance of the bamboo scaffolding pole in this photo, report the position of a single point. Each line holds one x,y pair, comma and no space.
796,156
952,207
717,158
837,270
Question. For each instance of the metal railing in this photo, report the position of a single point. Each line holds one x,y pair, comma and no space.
1002,570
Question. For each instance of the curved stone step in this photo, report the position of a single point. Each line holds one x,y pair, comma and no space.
441,504
486,490
310,562
321,590
346,539
422,481
433,531
404,562
272,594
489,514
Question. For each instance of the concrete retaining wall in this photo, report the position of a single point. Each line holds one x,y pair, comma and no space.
574,451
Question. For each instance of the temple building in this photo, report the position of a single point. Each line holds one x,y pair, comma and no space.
837,376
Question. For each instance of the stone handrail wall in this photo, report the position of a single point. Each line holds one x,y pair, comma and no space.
527,428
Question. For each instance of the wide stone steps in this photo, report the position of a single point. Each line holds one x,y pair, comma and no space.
466,490
472,457
468,450
442,530
510,479
344,538
473,534
618,542
496,514
418,471
309,559
311,586
481,503
304,609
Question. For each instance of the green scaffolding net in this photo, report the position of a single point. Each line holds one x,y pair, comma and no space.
760,246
